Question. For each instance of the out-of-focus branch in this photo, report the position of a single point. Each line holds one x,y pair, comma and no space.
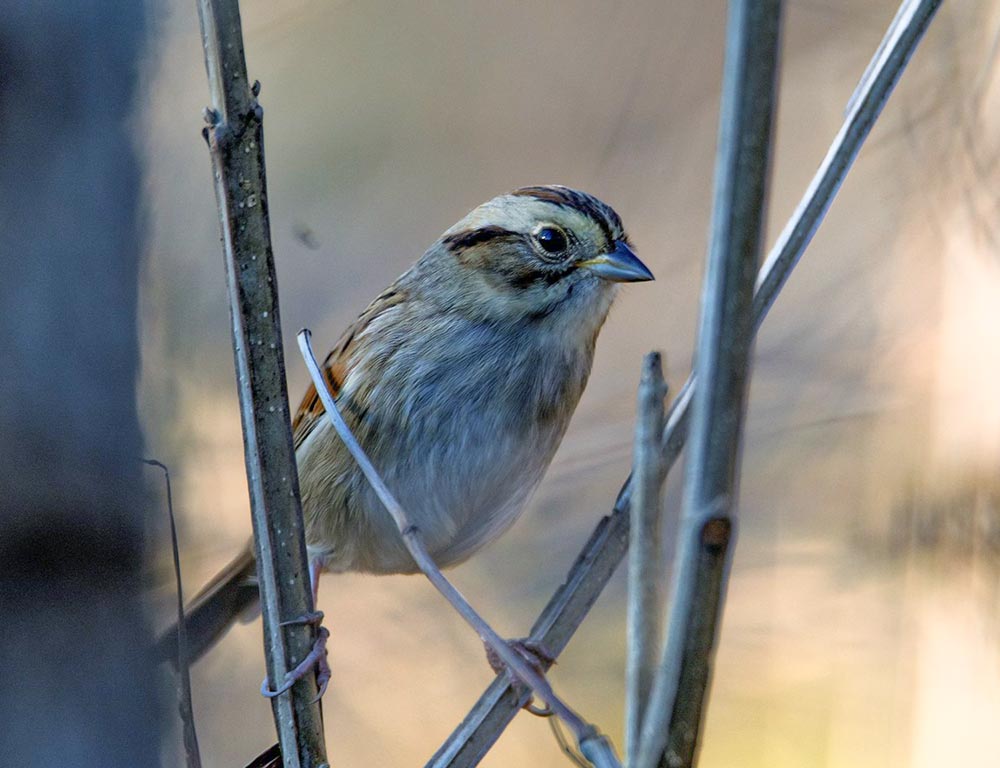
645,564
725,337
591,742
184,703
235,139
608,543
79,681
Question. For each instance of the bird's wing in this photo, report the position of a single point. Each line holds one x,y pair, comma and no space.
338,364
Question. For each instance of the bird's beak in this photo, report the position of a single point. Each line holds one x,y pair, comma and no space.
619,266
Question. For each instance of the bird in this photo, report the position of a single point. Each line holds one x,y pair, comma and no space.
459,381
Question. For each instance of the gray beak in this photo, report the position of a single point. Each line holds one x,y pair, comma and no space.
619,266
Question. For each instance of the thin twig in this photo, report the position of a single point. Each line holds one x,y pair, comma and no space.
645,571
184,701
904,8
607,545
235,138
749,94
269,758
567,749
586,735
892,56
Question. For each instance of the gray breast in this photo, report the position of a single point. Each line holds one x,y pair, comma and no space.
461,427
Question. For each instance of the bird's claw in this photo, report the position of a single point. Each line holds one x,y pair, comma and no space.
534,652
313,617
315,658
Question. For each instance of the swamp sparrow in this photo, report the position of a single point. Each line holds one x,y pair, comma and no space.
459,381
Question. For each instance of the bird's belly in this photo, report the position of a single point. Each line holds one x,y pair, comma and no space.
494,498
461,491
461,443
462,495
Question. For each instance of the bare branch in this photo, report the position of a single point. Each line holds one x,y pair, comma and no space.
725,336
235,139
645,568
591,742
607,544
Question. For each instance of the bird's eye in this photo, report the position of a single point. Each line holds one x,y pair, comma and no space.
551,239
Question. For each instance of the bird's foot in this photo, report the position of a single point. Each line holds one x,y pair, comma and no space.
315,658
535,653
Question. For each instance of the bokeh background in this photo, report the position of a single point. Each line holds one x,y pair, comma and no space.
861,627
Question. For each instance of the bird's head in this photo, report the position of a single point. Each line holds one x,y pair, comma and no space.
544,253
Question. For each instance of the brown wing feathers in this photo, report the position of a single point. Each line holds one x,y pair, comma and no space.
337,364
311,408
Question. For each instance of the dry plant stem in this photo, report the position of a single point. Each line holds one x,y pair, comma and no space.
901,14
235,139
645,567
586,735
725,338
607,545
184,703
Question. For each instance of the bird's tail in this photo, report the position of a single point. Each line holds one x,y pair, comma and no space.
226,598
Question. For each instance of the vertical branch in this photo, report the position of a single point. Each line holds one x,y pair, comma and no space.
645,574
725,338
235,138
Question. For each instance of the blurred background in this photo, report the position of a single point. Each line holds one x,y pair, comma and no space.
861,627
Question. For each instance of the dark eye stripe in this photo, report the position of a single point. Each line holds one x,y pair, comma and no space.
471,237
518,276
530,278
